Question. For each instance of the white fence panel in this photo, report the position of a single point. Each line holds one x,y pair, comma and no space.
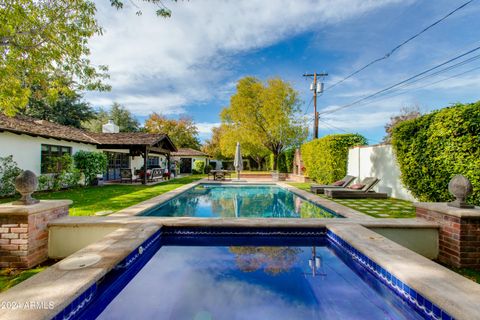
378,161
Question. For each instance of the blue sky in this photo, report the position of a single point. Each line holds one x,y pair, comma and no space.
189,64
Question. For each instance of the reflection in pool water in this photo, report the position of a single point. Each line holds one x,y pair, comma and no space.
247,282
240,201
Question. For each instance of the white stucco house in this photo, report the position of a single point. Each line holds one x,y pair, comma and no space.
32,142
186,158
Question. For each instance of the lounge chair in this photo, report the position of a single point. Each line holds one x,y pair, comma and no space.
319,188
362,190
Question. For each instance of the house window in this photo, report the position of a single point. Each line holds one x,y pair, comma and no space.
153,162
49,154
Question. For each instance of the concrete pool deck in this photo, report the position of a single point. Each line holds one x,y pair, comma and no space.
114,237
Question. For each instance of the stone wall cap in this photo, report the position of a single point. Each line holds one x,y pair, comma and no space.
11,209
442,207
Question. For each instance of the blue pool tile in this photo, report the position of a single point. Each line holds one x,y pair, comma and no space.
437,311
420,300
428,305
446,316
413,294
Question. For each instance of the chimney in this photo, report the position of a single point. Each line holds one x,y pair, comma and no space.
110,127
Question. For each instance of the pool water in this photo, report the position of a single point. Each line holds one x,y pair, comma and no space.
263,201
279,278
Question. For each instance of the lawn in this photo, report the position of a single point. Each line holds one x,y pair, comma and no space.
378,208
110,198
11,277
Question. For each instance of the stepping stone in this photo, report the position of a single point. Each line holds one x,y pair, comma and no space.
383,215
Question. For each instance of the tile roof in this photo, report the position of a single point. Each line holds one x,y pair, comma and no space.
127,138
43,128
189,152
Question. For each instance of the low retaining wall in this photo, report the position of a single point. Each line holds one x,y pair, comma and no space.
459,234
24,233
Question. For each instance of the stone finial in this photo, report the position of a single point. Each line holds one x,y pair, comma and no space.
26,184
460,187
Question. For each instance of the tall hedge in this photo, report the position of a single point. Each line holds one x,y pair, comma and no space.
434,147
325,159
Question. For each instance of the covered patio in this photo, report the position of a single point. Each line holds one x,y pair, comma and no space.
144,154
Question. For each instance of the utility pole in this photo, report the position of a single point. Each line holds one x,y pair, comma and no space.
316,87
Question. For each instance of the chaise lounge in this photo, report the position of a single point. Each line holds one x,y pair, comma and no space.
320,188
361,190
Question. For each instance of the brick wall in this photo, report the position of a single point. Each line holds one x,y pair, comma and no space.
24,238
459,238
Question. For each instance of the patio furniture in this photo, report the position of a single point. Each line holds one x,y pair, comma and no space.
361,190
320,188
155,174
219,174
126,175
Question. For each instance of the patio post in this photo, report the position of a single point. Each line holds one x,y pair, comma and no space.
145,165
168,166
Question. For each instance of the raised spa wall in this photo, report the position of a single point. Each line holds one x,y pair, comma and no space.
459,233
24,232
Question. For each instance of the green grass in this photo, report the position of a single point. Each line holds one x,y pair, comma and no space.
471,274
89,200
12,277
378,208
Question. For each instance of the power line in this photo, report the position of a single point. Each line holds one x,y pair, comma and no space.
408,84
385,97
401,82
344,131
388,54
308,106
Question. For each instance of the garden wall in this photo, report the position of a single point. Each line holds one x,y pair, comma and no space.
378,161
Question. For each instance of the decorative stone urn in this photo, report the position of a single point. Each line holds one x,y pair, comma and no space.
460,187
26,184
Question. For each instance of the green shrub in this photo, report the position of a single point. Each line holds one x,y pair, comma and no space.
208,168
325,159
90,164
8,172
269,162
431,149
198,167
282,163
289,157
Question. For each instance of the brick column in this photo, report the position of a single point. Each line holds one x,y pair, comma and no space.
459,234
24,233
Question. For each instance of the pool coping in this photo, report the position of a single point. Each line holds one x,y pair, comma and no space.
61,287
146,205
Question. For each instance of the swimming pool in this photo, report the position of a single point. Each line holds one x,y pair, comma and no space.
218,273
240,201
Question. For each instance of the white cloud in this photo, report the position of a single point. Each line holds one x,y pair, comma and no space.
368,116
206,127
163,64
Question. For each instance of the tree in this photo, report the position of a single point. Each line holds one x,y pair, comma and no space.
212,146
183,132
162,11
250,146
266,113
43,44
68,110
406,113
120,115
